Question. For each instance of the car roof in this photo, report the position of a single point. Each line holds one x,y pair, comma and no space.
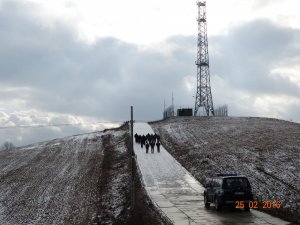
223,175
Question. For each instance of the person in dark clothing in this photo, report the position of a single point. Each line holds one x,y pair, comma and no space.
152,137
148,136
158,146
158,138
136,138
152,144
143,139
147,147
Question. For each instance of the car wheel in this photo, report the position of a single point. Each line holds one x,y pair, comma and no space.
217,204
206,202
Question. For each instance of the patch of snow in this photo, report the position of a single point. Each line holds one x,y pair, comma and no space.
265,150
52,182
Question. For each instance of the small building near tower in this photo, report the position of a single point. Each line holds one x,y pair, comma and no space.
185,112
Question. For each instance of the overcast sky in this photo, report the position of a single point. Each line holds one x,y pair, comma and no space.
85,61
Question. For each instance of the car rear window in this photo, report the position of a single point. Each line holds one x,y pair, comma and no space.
236,182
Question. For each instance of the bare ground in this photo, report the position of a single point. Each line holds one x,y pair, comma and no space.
82,179
265,150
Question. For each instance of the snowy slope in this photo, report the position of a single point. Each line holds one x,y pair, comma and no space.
56,182
265,150
179,195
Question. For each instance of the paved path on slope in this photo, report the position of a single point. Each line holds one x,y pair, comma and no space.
180,196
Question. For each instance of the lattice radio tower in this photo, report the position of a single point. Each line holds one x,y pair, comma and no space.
203,96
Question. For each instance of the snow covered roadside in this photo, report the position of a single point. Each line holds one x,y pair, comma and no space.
58,181
78,180
169,185
265,150
51,182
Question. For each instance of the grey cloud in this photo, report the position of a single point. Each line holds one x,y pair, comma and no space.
250,51
24,136
64,75
68,76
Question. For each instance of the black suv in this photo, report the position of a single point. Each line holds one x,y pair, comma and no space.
228,189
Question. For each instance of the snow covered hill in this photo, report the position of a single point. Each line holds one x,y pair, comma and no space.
265,150
55,182
78,180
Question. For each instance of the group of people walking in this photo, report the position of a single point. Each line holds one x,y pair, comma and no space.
149,140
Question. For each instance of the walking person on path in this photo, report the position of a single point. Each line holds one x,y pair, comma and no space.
152,144
143,140
147,147
158,137
138,139
158,146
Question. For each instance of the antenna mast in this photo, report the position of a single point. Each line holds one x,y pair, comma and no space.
203,95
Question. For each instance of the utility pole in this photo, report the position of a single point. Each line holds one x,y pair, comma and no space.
203,95
173,110
164,116
132,161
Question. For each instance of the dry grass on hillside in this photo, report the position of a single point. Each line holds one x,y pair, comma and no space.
265,150
82,179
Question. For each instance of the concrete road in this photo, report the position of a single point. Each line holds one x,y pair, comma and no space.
179,196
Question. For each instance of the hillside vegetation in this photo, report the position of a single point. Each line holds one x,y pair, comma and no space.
265,150
83,179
